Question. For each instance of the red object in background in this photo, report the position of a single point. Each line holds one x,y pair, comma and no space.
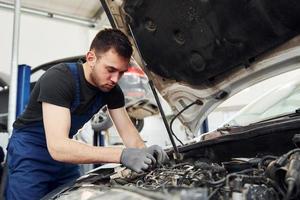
135,71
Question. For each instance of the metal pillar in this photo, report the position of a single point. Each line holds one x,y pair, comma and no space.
14,68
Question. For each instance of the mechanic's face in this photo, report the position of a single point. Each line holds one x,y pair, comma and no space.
107,69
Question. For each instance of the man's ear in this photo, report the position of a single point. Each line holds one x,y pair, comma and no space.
91,58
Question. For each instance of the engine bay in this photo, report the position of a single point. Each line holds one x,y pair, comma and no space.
268,177
261,178
224,169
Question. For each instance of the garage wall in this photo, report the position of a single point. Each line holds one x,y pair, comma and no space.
42,39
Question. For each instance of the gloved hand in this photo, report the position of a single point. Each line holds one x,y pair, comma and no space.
158,153
136,159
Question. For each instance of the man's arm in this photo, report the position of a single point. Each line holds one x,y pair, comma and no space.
57,124
131,136
126,129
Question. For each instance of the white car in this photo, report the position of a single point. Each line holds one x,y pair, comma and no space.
198,54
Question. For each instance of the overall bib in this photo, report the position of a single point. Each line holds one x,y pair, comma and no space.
32,173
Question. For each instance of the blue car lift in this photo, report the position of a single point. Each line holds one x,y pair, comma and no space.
23,90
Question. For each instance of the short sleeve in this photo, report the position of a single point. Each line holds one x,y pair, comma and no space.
57,87
115,98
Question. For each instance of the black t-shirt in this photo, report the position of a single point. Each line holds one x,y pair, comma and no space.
57,86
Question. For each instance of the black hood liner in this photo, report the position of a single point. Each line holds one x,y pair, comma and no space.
196,40
264,139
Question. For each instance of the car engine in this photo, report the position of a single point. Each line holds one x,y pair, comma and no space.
261,178
265,178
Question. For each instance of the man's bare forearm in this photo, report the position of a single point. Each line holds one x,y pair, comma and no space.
72,151
134,140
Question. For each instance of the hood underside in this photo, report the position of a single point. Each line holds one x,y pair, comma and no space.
209,50
195,41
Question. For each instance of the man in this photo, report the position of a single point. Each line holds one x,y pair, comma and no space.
41,153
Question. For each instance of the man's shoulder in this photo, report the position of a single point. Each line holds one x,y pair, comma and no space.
60,70
57,86
58,74
61,67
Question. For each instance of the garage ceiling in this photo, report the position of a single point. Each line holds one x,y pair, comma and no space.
89,10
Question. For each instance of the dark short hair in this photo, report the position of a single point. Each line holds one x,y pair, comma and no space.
112,38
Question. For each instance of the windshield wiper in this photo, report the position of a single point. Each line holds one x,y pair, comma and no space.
293,114
227,127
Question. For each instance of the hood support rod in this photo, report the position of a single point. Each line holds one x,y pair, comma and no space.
177,155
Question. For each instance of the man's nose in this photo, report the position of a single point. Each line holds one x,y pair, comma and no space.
115,77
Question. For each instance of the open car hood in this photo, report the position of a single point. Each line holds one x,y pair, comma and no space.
208,50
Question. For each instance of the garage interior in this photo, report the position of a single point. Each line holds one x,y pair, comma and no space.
36,33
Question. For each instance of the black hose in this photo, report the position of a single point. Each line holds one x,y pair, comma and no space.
213,193
276,186
281,160
198,102
291,185
263,159
218,182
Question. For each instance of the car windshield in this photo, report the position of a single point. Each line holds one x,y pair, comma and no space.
279,101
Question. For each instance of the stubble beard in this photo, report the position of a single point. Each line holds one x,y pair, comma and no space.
103,88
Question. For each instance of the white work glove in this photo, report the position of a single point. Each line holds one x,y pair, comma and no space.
158,153
136,159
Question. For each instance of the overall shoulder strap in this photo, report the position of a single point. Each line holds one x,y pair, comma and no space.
74,70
